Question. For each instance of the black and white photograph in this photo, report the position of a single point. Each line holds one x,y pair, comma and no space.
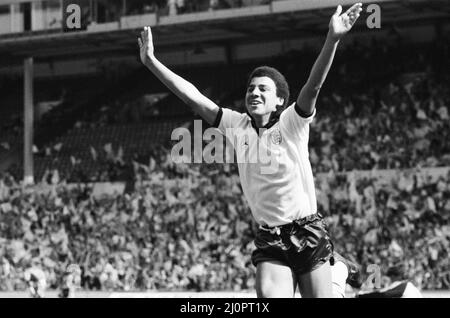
234,150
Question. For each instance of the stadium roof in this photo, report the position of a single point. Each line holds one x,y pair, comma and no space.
280,20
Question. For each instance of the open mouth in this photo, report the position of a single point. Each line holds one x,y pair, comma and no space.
254,103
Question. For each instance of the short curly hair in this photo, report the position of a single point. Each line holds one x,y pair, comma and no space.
278,78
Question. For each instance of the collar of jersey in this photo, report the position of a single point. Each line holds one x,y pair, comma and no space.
274,118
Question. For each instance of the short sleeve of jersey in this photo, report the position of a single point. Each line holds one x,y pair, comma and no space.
230,119
295,122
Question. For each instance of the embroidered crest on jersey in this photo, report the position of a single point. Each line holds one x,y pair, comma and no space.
275,136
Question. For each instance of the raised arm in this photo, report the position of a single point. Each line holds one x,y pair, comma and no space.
339,25
187,92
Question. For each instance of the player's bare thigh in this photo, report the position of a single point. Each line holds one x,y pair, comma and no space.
274,280
318,283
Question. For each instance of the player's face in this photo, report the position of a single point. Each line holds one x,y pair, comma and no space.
261,97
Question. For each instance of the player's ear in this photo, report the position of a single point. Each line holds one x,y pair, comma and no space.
280,101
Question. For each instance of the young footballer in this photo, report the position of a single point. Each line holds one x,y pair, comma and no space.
293,247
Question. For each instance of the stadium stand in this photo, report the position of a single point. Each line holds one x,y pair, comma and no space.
166,234
187,226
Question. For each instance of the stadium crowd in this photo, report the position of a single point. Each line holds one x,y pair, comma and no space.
408,128
150,239
188,227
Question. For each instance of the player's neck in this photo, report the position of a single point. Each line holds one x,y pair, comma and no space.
262,120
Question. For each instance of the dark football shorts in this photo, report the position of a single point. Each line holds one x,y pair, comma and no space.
304,245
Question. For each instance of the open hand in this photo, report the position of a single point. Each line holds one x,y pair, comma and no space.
145,42
340,24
